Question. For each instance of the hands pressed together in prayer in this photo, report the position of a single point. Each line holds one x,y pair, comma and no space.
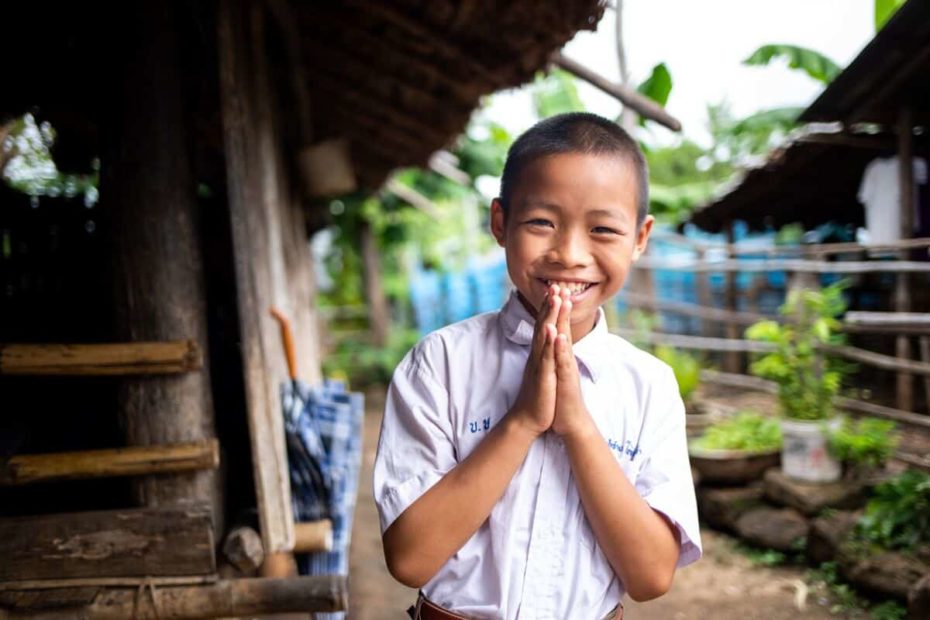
550,396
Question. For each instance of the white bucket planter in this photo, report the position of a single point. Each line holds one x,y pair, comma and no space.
804,453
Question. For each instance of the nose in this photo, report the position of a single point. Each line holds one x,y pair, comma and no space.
570,249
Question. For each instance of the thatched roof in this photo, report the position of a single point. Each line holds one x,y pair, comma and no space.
810,180
400,79
397,78
815,178
890,72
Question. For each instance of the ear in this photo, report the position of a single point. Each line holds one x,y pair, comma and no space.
642,237
498,221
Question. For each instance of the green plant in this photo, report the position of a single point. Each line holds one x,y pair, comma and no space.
889,610
808,379
845,600
747,430
355,359
867,442
897,517
686,367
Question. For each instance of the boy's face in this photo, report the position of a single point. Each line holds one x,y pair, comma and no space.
572,222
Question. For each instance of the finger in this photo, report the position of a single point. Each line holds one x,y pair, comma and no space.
565,366
547,320
564,322
547,359
541,313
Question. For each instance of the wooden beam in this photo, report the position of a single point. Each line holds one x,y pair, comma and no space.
132,461
117,543
226,598
645,107
132,358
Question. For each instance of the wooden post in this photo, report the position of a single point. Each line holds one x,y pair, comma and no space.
379,319
273,265
702,284
902,295
733,360
149,191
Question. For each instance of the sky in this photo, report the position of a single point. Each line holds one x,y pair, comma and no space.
703,43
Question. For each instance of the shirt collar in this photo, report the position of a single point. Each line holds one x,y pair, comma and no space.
518,326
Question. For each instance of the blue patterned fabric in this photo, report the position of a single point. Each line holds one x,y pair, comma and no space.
323,427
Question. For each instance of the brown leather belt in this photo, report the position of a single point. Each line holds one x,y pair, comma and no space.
427,610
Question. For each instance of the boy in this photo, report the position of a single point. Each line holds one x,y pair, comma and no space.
532,465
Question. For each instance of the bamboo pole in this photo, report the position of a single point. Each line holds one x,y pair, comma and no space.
823,249
794,265
847,404
732,361
729,345
131,358
643,106
226,598
313,536
133,461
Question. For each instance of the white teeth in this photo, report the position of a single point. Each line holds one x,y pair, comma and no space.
573,287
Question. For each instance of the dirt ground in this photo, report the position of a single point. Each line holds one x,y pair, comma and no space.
724,585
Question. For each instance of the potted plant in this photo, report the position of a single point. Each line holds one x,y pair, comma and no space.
738,449
808,379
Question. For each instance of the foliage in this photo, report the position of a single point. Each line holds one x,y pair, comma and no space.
845,599
32,170
884,9
808,379
889,610
363,364
658,85
686,367
869,441
555,93
747,430
762,557
813,63
897,517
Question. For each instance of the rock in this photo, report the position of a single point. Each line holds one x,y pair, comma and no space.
811,498
776,528
721,507
828,533
885,573
918,599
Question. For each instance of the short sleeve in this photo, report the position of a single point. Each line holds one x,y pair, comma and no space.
664,480
415,449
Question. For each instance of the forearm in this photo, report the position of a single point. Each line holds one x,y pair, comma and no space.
641,546
442,520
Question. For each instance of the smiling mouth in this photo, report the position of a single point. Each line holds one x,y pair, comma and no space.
574,287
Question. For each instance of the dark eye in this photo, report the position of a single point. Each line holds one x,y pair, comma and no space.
605,230
539,222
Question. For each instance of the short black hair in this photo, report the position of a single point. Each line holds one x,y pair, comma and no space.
575,132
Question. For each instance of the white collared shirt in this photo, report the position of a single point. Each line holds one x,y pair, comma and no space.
535,556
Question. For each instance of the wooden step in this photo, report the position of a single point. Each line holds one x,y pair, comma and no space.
131,461
130,358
